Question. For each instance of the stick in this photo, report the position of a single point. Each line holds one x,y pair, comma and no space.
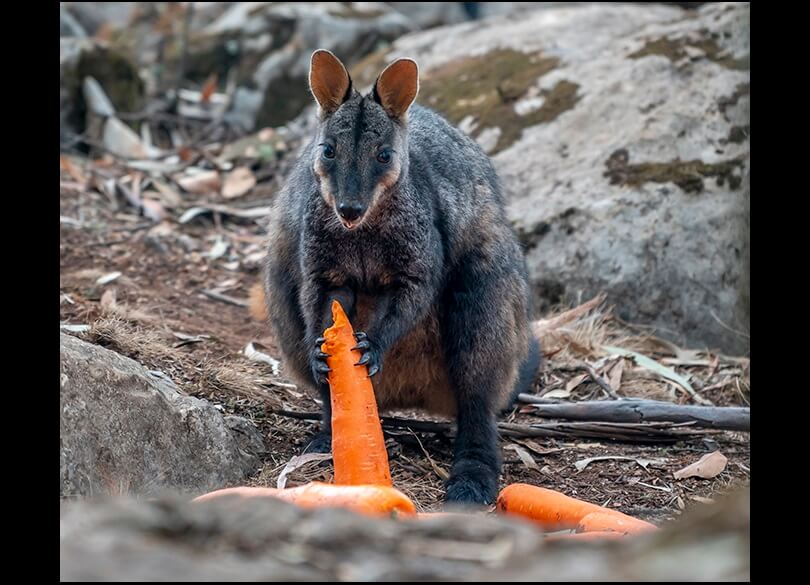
661,432
637,411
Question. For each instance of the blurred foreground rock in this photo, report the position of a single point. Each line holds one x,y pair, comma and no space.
171,539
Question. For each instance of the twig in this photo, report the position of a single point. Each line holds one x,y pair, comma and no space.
598,379
224,298
661,432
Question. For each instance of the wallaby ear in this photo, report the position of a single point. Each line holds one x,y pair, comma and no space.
397,86
329,81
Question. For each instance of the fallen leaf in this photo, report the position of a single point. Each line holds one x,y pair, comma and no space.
108,300
72,170
208,88
247,213
255,355
524,455
74,328
531,445
169,196
121,140
652,365
238,182
702,500
560,393
574,382
709,466
583,463
218,249
107,278
199,182
615,375
154,210
296,462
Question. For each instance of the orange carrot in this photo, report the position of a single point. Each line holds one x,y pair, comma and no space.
615,522
552,510
372,500
599,536
358,446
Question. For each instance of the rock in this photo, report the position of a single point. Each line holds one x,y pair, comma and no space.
124,429
81,58
170,539
267,46
620,133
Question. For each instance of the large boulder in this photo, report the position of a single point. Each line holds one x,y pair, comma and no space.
621,133
256,539
124,429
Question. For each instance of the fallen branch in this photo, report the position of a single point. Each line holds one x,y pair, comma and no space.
660,432
640,411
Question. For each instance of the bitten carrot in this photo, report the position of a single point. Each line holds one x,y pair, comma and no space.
552,510
372,500
614,522
358,446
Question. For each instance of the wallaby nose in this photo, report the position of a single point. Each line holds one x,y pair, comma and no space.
350,211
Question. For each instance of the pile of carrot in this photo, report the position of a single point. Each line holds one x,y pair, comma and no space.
363,478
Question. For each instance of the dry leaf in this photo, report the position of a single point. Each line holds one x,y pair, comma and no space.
200,182
108,300
107,278
208,88
296,462
74,328
255,355
583,463
531,445
615,375
218,249
153,210
238,182
558,393
702,500
169,196
571,384
524,455
709,466
71,169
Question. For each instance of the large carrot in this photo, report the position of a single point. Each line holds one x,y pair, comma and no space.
615,522
372,500
552,510
358,446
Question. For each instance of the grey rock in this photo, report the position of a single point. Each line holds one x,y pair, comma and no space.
623,144
232,539
126,430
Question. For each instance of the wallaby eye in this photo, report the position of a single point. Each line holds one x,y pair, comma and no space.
384,156
328,151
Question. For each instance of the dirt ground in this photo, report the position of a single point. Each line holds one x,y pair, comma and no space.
155,312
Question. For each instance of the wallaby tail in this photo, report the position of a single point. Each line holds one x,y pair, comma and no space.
528,371
257,304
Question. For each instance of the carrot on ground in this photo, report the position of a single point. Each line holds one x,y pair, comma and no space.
372,500
613,522
358,445
552,510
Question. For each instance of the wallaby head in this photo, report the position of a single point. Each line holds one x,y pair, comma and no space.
362,148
